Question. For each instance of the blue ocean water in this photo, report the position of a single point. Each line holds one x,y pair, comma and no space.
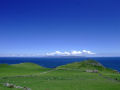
110,62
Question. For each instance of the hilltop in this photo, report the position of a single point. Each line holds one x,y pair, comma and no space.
85,65
20,69
28,66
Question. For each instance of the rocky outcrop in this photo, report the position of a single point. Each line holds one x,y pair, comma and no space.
92,71
14,86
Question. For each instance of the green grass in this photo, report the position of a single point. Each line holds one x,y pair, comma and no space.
20,69
57,79
86,65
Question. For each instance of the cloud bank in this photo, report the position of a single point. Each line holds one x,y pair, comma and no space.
72,53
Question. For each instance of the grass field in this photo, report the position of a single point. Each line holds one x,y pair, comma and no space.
39,78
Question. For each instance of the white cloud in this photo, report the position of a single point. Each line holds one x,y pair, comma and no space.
72,53
87,52
58,53
76,53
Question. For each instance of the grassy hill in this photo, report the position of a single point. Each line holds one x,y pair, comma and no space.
66,77
27,66
86,65
20,69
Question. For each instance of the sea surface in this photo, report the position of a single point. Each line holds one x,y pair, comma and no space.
110,62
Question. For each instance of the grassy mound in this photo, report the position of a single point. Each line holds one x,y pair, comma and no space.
20,69
84,65
28,66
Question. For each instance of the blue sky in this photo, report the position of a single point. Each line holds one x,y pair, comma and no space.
33,27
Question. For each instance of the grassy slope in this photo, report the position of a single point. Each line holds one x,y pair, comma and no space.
20,69
61,79
86,65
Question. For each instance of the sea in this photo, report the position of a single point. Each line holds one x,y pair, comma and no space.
53,62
